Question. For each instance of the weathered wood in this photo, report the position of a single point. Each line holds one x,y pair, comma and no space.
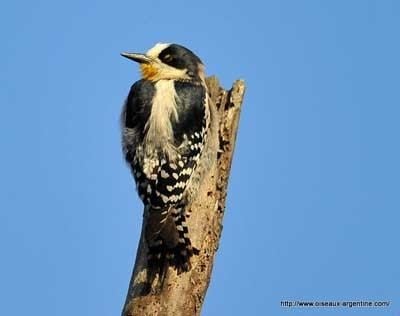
183,294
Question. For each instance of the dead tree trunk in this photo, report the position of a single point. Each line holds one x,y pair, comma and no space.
183,294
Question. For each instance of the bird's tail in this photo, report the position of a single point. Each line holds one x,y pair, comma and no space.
169,244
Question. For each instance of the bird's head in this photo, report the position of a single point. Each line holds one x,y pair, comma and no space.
168,61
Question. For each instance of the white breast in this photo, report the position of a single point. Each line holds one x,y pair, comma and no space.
159,134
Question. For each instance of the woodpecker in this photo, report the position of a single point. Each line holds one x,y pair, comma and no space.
169,141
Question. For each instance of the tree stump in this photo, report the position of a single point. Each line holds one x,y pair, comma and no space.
183,294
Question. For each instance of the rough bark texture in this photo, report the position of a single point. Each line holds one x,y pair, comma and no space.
183,294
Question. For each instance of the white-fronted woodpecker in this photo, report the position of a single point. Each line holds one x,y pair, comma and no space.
170,141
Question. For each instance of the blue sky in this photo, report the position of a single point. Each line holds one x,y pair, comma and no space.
313,204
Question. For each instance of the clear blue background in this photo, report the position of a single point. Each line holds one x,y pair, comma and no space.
313,207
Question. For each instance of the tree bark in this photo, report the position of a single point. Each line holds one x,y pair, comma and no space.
183,294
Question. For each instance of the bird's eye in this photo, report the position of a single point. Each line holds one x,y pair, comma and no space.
168,58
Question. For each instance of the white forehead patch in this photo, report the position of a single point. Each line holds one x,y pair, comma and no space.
157,49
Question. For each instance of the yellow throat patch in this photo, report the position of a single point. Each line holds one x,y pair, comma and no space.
149,71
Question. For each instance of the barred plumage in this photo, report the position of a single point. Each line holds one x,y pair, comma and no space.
166,136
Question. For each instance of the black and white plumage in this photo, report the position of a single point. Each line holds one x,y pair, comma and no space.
169,143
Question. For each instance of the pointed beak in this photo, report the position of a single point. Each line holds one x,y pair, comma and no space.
139,58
